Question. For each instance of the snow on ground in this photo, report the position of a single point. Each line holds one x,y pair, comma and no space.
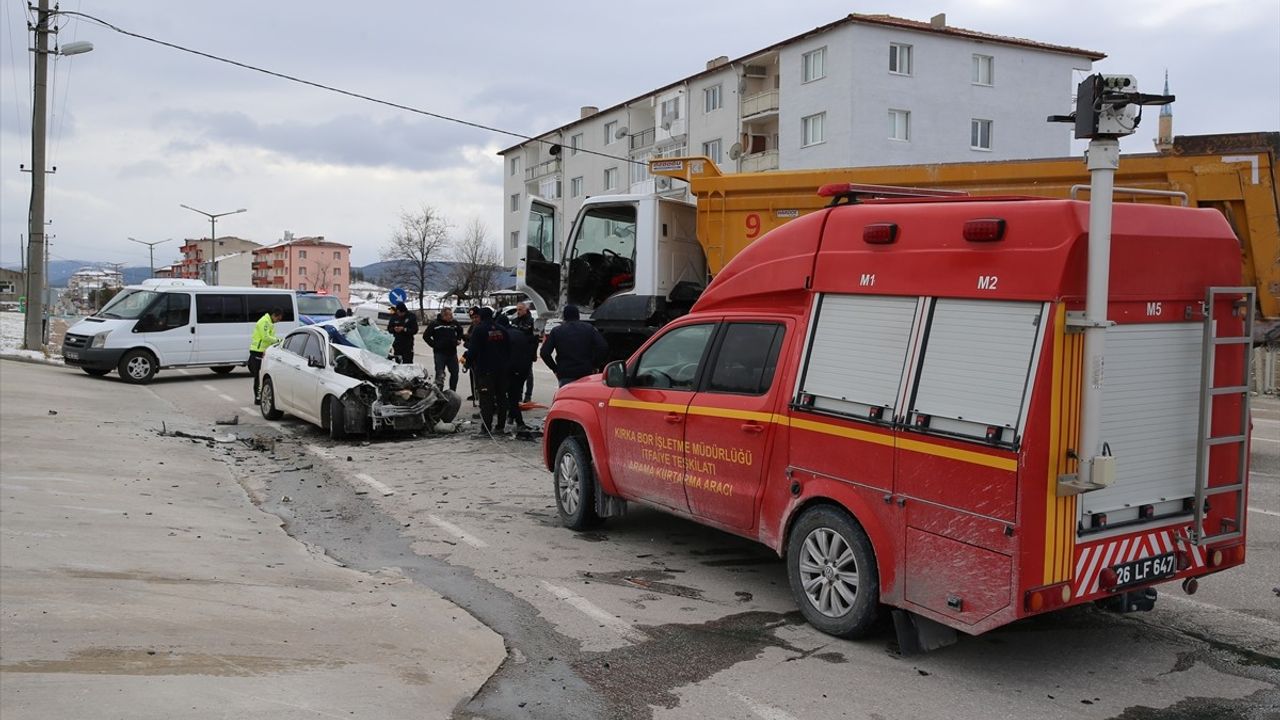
11,331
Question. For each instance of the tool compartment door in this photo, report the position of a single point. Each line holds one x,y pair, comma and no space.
1150,415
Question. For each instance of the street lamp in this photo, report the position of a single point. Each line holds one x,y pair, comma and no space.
34,324
213,235
151,251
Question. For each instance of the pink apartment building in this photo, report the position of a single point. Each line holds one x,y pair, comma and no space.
309,263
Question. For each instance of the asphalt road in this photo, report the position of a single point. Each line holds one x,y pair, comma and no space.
652,616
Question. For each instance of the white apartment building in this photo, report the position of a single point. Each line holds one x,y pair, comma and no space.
864,90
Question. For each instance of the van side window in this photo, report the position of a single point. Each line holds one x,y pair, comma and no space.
746,359
260,304
220,308
173,310
673,360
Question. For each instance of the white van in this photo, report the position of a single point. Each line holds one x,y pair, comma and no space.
174,323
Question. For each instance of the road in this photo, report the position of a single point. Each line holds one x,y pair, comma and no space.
655,617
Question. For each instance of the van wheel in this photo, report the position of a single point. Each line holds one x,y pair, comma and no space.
137,366
336,418
223,369
267,400
833,572
96,372
575,485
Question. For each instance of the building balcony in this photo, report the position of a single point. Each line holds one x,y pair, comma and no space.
760,103
541,170
757,162
278,263
642,139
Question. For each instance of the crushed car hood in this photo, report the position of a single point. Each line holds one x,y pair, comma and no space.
380,368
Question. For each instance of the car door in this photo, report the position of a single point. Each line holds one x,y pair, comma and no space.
645,420
730,430
167,328
287,367
315,364
221,325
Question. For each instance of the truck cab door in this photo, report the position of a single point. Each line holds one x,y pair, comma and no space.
538,262
645,422
730,428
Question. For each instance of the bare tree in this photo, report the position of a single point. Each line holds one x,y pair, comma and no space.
420,238
477,265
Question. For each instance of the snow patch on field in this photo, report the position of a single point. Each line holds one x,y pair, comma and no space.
11,331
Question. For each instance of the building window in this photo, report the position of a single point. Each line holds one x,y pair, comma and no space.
337,289
899,59
302,286
711,149
302,270
815,65
711,99
669,110
549,188
515,166
811,129
515,239
610,178
899,125
575,187
984,70
575,143
610,128
337,254
980,134
337,272
515,202
302,254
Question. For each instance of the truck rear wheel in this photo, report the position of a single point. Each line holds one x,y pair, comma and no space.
575,485
833,572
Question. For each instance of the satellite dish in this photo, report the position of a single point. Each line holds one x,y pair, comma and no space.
735,151
621,133
554,150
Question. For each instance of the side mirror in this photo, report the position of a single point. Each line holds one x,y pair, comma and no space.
313,362
615,374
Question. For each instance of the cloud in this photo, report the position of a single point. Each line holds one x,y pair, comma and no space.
348,140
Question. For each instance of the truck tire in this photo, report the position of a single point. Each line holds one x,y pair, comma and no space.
574,485
337,418
833,572
267,400
137,366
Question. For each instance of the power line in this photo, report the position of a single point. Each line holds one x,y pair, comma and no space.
13,72
60,119
340,91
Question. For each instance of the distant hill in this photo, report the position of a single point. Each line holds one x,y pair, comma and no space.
383,273
61,270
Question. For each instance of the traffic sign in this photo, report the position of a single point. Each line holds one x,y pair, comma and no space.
397,295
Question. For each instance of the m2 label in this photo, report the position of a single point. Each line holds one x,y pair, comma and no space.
988,282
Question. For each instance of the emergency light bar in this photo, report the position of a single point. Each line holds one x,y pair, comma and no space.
852,192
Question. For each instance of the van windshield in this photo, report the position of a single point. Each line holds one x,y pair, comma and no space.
128,305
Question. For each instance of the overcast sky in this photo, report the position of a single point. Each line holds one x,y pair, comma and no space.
138,128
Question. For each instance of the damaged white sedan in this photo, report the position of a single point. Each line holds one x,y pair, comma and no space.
335,375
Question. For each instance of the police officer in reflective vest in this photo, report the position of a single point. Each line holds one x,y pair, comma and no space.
264,336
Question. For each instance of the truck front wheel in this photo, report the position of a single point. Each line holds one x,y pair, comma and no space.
575,485
833,572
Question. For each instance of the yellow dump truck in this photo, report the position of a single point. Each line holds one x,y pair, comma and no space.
633,262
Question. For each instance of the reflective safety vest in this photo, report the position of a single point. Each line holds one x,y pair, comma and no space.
264,334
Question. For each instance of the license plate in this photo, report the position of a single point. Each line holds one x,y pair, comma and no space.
71,355
1146,570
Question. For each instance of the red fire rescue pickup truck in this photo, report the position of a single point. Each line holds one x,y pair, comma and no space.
887,393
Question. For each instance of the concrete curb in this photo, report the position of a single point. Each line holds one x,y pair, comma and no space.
30,360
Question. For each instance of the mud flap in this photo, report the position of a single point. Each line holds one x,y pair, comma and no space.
608,505
918,634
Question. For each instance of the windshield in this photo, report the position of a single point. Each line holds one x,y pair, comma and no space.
128,305
318,305
602,262
607,230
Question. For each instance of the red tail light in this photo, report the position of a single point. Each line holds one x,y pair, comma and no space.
1048,597
984,230
880,233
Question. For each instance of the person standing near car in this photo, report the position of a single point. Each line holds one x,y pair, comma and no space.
264,336
574,349
519,366
443,336
403,327
488,356
524,324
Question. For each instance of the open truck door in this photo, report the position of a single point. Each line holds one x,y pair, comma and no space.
538,265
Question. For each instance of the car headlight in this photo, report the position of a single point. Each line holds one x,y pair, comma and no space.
99,340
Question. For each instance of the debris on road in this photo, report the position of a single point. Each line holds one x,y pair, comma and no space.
233,420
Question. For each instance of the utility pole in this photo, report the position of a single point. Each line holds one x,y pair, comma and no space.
213,235
151,252
33,328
